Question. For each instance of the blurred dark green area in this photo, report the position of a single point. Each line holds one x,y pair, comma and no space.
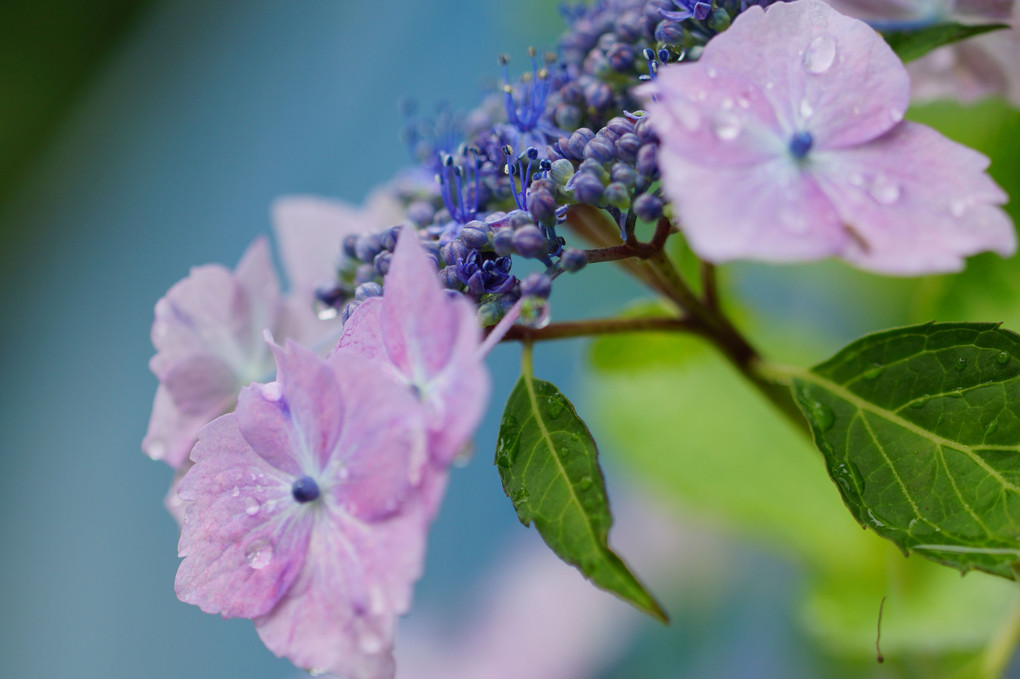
50,50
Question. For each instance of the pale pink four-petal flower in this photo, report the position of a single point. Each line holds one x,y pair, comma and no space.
302,515
786,142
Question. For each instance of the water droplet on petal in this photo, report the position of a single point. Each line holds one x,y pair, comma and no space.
958,207
1002,358
259,554
235,492
343,473
884,190
896,115
251,506
806,109
727,126
820,54
711,72
325,312
743,102
702,95
727,104
272,392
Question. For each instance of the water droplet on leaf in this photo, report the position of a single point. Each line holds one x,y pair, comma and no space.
961,363
990,429
1002,358
821,415
820,54
920,402
554,406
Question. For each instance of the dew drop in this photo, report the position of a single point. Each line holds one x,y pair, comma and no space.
272,392
554,406
370,643
259,554
325,312
873,373
896,115
955,394
743,102
727,104
821,415
711,72
235,492
343,473
1002,358
961,363
806,109
820,54
884,190
727,126
585,483
920,403
251,506
990,429
958,208
157,449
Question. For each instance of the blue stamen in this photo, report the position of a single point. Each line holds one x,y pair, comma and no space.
800,144
305,489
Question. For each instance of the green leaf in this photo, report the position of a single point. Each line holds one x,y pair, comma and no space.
549,466
910,45
920,429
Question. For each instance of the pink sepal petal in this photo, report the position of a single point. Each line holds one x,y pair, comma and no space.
310,232
342,619
916,202
313,402
363,330
171,433
781,215
201,384
265,422
856,95
242,540
382,447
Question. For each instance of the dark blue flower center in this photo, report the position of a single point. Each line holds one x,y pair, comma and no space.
305,489
800,144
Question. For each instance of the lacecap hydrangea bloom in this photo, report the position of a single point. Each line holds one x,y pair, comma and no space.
802,152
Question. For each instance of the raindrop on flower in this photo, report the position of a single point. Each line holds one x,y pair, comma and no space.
259,554
251,506
727,126
806,109
884,190
958,207
820,55
235,492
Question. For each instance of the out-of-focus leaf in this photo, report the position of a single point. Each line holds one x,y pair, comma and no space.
910,45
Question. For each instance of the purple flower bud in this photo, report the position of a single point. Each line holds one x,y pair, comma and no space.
382,263
595,169
542,205
596,64
587,188
600,150
617,195
330,295
529,241
388,240
366,290
489,314
536,285
567,116
364,273
630,27
454,250
598,95
503,242
573,260
348,310
627,147
643,129
449,279
571,93
647,162
669,32
475,234
607,134
621,57
647,207
350,245
619,126
623,173
519,218
367,247
421,212
578,141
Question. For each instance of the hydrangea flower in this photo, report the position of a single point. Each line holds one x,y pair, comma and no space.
968,70
208,338
802,152
301,513
428,340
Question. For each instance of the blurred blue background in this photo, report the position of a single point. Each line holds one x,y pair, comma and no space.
142,138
